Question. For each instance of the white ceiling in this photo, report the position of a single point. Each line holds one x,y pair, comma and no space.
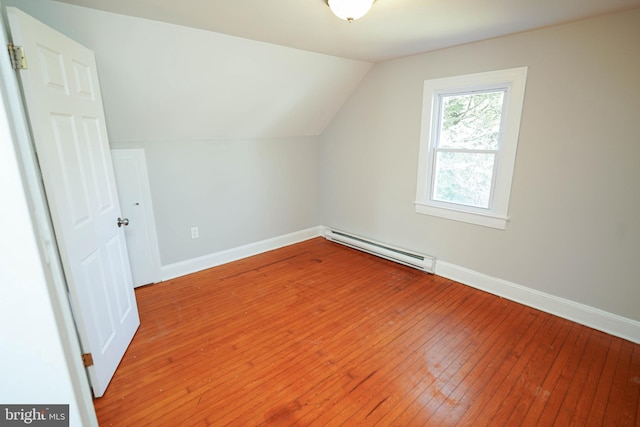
393,28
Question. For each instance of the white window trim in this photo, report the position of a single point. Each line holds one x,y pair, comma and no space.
514,80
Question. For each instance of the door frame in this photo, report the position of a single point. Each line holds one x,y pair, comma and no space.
43,230
152,234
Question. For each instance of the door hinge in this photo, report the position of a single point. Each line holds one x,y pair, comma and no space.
18,60
87,359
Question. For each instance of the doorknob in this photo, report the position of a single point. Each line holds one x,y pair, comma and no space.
122,221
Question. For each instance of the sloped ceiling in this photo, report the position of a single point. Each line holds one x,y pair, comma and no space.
393,28
234,69
166,82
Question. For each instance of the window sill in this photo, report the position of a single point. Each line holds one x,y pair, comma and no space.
485,220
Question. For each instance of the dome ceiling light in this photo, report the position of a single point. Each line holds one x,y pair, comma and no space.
350,10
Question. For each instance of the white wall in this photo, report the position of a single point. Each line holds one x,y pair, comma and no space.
32,361
236,192
574,230
229,126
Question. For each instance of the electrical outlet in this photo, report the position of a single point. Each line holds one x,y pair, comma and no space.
194,233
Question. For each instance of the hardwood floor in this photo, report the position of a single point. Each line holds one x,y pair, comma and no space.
316,334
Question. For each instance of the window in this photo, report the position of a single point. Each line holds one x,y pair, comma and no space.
470,127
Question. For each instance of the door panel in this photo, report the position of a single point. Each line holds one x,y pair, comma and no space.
64,106
135,201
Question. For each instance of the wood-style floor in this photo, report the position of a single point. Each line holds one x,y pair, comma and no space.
317,334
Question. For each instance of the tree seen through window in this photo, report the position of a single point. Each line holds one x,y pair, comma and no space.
468,141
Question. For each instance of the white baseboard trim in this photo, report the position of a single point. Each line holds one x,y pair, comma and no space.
601,320
189,266
580,313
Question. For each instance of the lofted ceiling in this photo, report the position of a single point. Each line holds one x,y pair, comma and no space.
393,28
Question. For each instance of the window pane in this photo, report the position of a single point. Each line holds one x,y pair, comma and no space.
471,121
464,178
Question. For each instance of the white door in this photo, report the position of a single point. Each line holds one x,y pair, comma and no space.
64,106
130,168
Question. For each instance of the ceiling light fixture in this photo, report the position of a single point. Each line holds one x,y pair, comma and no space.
350,10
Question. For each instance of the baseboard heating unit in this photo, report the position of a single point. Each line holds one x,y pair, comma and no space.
402,256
